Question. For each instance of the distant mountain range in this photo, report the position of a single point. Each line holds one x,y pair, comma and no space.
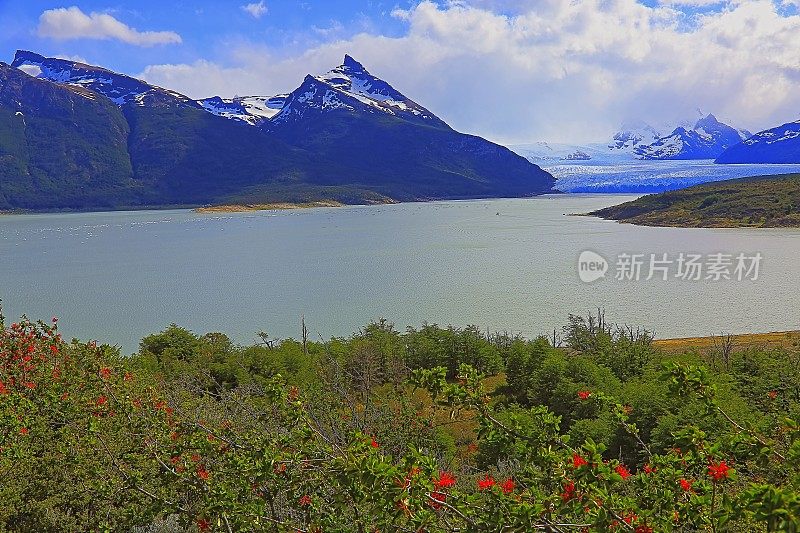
76,136
706,140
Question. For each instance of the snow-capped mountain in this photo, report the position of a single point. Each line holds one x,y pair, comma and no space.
119,88
706,140
350,86
345,136
253,110
632,134
775,145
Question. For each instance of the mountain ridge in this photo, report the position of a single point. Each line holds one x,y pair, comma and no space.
345,136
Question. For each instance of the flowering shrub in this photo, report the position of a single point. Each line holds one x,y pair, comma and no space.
92,441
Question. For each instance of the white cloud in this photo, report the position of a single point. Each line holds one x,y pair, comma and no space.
559,70
72,23
256,10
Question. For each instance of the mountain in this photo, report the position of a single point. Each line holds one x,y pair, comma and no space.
78,136
776,145
66,147
407,152
632,134
61,146
706,140
118,88
349,86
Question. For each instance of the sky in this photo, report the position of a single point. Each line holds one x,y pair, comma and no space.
514,71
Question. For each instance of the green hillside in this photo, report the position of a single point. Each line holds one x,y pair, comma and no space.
763,201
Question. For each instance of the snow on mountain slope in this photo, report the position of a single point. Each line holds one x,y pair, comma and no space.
631,134
706,140
351,86
775,145
253,110
119,88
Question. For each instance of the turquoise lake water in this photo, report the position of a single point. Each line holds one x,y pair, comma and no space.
508,264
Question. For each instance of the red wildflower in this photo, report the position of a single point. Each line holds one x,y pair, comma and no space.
648,469
53,348
3,389
444,481
644,529
578,461
195,457
772,394
584,394
486,483
23,431
174,459
718,471
65,396
203,524
100,401
623,472
202,473
30,384
160,404
31,348
374,444
173,435
569,491
105,373
508,486
629,518
128,376
437,499
305,500
686,484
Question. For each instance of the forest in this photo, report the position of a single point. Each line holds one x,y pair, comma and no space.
435,429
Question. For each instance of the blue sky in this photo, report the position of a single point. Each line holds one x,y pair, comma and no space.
206,27
512,70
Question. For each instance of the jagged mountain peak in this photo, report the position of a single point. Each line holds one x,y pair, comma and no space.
351,64
351,87
707,139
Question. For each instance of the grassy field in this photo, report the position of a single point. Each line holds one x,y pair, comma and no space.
778,339
760,202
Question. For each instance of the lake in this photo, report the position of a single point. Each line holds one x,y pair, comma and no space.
508,264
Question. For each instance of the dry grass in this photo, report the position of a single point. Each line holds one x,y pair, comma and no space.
777,339
267,207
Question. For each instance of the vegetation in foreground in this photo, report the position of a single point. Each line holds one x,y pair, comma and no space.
434,429
761,202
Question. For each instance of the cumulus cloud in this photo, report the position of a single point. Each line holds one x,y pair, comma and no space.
559,70
72,23
256,10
